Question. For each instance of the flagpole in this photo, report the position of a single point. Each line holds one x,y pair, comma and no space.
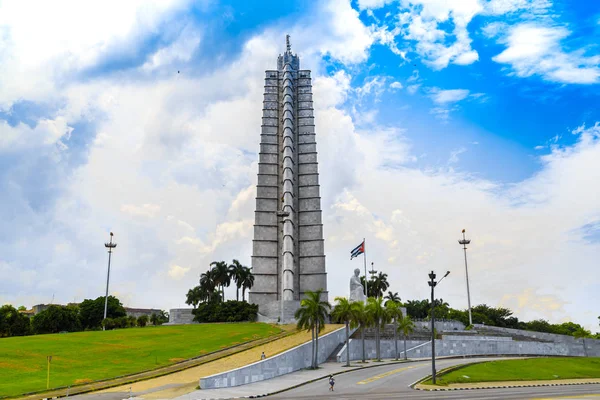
365,258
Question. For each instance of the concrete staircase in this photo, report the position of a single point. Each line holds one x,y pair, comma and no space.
333,356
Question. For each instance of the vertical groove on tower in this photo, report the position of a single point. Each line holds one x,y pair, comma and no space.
288,248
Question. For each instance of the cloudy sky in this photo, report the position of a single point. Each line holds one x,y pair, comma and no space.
432,116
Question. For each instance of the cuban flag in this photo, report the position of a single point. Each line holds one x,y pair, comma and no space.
358,250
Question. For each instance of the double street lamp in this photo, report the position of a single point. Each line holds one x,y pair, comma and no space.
110,246
432,283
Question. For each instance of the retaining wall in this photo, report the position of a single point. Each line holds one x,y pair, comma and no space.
470,347
295,359
179,316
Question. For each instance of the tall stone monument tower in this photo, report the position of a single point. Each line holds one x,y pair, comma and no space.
288,248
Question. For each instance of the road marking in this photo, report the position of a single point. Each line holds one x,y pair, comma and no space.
581,396
376,377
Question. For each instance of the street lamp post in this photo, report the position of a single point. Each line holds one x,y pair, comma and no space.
432,283
110,246
464,243
372,272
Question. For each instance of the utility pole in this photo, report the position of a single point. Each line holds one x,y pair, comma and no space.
432,283
110,246
464,243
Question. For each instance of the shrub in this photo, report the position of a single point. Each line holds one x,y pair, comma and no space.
142,321
229,311
56,319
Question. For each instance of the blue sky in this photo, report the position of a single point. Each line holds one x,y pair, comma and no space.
432,116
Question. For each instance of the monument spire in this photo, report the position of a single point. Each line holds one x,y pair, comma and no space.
288,248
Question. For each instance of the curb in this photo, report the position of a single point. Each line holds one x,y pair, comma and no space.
503,387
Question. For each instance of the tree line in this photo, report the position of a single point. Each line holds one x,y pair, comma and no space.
88,315
213,282
495,316
208,298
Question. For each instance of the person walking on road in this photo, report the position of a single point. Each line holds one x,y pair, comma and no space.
331,383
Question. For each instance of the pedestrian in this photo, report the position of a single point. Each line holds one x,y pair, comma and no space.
262,356
331,383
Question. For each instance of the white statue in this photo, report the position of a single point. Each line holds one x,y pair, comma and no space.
357,291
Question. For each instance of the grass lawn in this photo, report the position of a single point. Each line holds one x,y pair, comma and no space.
88,356
524,370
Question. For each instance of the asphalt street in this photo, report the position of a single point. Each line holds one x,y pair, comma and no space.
393,382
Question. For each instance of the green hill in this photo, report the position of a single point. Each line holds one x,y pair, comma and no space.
88,356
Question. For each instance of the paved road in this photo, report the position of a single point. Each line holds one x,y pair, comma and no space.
392,382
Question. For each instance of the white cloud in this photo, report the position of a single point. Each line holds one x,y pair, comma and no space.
46,132
421,20
343,36
144,210
396,85
448,96
412,89
534,49
373,4
76,35
454,155
177,272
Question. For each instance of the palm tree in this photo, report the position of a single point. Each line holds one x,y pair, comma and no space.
342,312
221,275
362,318
311,316
208,284
391,296
381,284
379,317
194,296
406,326
394,312
247,281
236,272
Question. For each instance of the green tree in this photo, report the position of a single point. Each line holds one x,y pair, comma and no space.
13,323
22,308
247,281
311,317
406,326
381,284
236,273
394,313
56,319
418,309
208,286
362,318
221,275
91,312
142,321
342,312
196,295
392,297
131,321
582,333
159,318
379,317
